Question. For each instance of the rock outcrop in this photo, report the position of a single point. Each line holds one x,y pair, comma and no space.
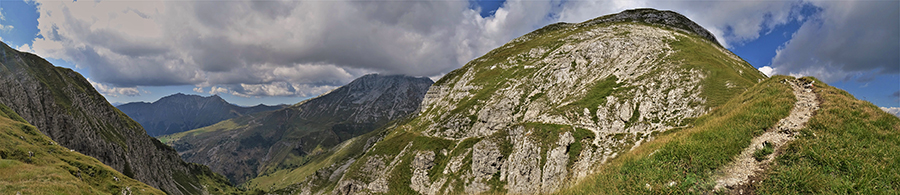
66,108
651,16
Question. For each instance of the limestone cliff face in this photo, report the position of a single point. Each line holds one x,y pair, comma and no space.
65,107
244,147
548,108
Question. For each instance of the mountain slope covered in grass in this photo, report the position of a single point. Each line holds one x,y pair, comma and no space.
32,163
848,146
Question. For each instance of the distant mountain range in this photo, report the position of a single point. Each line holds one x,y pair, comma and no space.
243,147
180,112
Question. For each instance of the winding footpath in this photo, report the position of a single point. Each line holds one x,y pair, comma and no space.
736,177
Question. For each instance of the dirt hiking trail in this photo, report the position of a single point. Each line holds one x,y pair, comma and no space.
737,177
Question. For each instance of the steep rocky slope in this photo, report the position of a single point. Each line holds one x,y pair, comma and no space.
179,112
546,109
243,147
65,107
32,163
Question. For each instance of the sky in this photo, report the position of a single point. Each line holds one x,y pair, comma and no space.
281,52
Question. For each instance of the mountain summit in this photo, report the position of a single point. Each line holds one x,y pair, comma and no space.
544,110
179,112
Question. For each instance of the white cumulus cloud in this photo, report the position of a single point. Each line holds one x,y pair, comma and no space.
217,90
767,70
4,28
115,91
893,110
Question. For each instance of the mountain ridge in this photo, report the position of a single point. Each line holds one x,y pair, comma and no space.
31,163
181,112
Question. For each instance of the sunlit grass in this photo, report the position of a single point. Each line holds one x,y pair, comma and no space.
33,164
849,146
687,158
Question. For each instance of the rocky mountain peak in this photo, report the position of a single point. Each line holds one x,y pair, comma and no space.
666,18
367,95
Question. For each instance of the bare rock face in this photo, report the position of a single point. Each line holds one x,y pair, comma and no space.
524,174
486,160
420,181
546,109
66,108
555,169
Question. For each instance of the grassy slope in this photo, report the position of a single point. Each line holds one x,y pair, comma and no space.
52,169
690,156
302,167
220,126
849,146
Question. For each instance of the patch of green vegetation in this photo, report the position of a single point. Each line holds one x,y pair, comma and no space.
32,163
535,97
401,176
545,133
690,156
762,153
576,147
596,95
220,126
849,146
6,112
697,54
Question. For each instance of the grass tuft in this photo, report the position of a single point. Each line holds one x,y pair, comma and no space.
762,153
